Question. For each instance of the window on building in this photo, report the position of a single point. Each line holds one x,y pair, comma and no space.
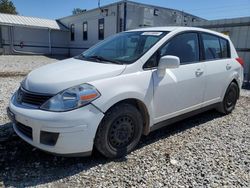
121,25
72,32
85,31
156,12
101,29
212,47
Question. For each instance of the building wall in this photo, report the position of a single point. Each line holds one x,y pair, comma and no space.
91,17
140,15
33,40
119,17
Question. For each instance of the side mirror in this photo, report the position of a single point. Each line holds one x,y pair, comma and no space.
167,62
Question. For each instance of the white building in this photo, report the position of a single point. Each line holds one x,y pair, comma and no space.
90,27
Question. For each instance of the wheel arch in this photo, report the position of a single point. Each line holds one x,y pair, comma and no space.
233,78
235,81
141,106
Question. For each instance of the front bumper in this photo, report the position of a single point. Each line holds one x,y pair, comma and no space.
76,129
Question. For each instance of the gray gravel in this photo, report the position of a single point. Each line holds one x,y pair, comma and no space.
208,150
11,65
8,85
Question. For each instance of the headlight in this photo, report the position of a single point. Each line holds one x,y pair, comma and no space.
72,98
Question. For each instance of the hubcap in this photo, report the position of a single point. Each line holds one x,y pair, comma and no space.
121,132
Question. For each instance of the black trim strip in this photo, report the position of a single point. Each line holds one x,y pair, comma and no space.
182,117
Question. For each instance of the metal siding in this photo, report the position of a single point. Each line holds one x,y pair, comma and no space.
242,36
140,15
35,40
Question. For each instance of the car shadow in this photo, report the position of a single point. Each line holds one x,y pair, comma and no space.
22,165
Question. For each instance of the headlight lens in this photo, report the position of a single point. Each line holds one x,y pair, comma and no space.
72,98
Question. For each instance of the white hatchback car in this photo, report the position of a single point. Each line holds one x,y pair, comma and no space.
128,85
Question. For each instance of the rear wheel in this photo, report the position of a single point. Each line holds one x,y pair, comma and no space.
230,99
119,131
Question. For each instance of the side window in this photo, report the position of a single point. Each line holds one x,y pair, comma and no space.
185,46
101,29
225,50
212,47
85,30
72,32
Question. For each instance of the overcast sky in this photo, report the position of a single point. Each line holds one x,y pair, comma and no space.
208,9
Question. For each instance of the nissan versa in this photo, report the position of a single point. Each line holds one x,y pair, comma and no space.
128,85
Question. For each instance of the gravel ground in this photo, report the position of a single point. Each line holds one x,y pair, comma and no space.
21,65
208,150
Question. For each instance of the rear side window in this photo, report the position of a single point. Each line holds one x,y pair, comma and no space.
225,50
212,47
185,46
215,47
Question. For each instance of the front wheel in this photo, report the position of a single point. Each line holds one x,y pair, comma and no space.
119,131
230,99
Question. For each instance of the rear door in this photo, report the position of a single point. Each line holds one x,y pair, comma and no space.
181,90
218,66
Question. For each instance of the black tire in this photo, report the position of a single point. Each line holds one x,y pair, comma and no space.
230,99
120,131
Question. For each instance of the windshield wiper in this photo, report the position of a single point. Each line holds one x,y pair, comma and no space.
100,58
81,57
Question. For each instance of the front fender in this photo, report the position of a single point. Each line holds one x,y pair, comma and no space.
137,86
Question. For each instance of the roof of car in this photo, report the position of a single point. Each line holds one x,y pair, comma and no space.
156,29
179,28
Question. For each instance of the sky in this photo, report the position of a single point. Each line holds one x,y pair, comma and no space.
208,9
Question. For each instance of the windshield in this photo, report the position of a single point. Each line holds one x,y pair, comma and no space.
123,48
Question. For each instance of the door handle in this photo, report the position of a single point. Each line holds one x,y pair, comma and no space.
228,67
199,72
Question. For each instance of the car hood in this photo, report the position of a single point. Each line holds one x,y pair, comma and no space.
53,78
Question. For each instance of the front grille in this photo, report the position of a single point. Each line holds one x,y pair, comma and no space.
34,99
27,131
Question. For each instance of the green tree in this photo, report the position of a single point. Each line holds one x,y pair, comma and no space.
78,11
7,6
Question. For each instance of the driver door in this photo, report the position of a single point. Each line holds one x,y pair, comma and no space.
182,89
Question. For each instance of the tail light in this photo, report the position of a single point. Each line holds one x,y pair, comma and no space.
240,61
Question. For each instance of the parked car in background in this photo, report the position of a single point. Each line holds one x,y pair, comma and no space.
128,85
